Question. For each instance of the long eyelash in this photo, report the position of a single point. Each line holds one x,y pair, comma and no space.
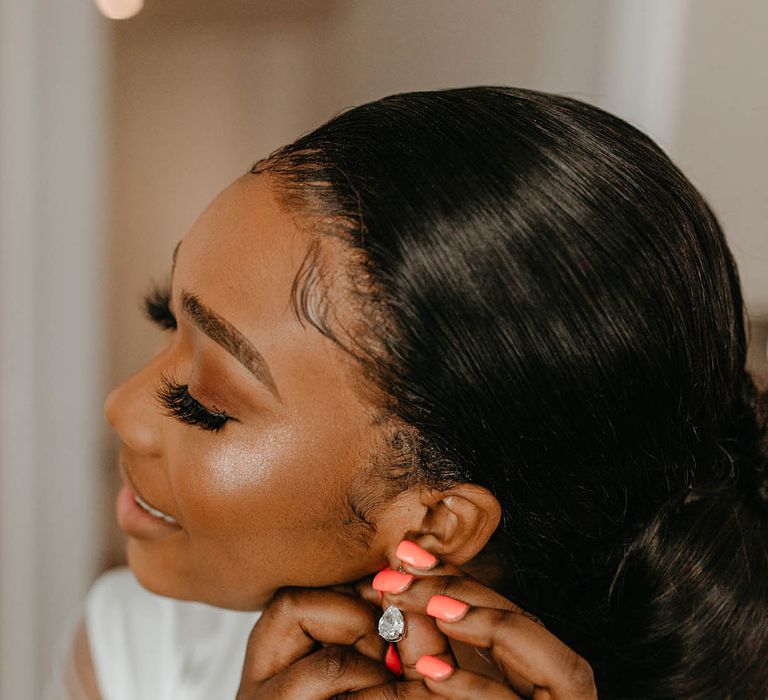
157,306
177,402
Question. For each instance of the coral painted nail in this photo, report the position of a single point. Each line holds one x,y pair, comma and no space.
412,554
391,581
434,668
446,608
392,660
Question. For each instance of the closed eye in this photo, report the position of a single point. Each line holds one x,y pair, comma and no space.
179,403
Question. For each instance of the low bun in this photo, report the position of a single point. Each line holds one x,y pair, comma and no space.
688,608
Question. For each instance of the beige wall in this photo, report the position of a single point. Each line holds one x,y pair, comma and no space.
721,136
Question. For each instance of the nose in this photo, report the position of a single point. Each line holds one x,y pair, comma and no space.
130,408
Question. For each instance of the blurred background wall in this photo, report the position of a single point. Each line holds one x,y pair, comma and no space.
116,134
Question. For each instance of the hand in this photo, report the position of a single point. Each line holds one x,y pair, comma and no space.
534,663
314,644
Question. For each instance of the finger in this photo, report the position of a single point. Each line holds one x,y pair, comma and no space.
424,638
422,635
415,560
421,563
457,684
404,690
414,594
415,597
525,648
324,674
368,594
296,619
411,559
365,590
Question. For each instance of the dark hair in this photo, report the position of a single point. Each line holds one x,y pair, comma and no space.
551,306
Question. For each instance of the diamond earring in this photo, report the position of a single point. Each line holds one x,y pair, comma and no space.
392,624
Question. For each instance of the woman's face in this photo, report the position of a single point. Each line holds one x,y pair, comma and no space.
263,502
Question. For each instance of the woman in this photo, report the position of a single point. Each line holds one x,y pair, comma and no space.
491,342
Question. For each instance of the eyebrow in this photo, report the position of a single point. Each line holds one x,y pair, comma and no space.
226,335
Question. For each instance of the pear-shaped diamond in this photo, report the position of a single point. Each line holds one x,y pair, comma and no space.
392,624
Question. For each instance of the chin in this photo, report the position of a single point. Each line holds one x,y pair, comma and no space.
158,579
155,580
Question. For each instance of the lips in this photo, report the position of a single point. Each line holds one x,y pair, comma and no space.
143,502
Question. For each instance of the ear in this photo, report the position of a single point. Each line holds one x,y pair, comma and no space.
454,524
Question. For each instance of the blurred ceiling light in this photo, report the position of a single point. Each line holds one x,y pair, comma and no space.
119,9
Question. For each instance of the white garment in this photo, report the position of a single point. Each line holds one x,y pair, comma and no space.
149,647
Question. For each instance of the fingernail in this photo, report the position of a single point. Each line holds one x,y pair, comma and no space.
392,660
412,554
391,581
446,608
434,668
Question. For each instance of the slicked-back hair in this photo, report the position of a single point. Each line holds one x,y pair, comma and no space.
551,306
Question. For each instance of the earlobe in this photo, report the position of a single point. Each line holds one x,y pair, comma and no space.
459,522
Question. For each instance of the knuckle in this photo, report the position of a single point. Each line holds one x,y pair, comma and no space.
580,676
450,585
505,626
391,692
331,663
479,686
399,691
284,602
532,617
404,690
502,622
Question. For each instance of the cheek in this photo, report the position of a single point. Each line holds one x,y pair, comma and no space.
236,483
